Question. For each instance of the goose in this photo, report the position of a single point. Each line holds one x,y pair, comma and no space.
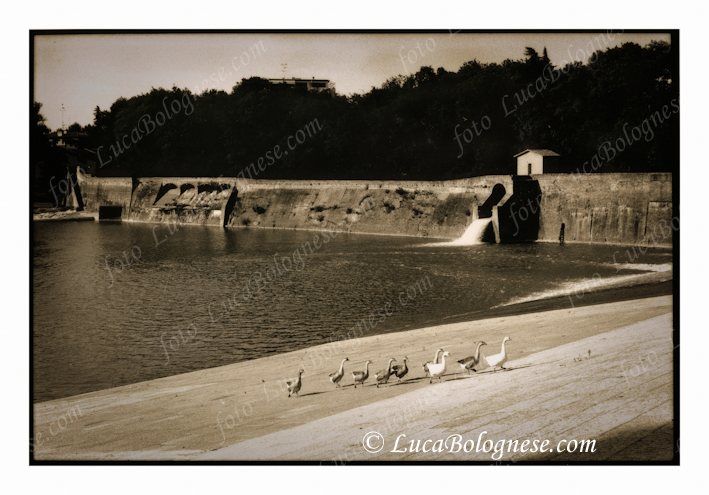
337,376
361,376
435,360
498,360
468,363
294,386
400,370
383,375
438,370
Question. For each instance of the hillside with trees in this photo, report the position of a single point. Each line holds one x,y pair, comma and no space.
406,129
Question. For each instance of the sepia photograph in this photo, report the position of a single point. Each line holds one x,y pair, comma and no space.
353,247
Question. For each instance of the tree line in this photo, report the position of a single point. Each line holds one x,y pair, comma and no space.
431,125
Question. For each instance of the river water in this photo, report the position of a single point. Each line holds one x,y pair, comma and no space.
100,323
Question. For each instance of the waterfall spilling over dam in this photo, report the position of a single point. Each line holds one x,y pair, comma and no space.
474,234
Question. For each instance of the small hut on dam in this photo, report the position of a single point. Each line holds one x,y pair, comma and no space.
536,162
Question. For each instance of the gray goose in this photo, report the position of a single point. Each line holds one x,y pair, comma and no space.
382,376
400,370
468,363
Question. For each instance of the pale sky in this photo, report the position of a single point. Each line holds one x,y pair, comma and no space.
82,71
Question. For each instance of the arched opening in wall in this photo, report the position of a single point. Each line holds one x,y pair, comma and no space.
185,187
166,194
207,188
498,192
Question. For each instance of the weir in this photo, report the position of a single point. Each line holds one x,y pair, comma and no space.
598,208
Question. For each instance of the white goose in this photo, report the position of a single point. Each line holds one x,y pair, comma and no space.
437,370
435,361
361,376
498,360
337,376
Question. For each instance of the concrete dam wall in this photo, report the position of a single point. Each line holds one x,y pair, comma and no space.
112,194
422,209
595,208
604,208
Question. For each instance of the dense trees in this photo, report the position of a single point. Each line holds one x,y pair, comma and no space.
46,161
433,124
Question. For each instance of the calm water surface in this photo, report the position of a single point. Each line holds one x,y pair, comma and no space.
95,329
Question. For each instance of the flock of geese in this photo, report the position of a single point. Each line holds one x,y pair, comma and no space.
435,369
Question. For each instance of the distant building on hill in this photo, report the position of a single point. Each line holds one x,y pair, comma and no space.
535,162
68,139
313,84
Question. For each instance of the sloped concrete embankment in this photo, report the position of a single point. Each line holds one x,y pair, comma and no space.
242,410
422,209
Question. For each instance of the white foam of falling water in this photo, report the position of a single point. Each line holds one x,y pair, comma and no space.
474,233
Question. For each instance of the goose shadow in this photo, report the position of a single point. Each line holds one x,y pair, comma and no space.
395,384
465,376
312,393
489,371
407,382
